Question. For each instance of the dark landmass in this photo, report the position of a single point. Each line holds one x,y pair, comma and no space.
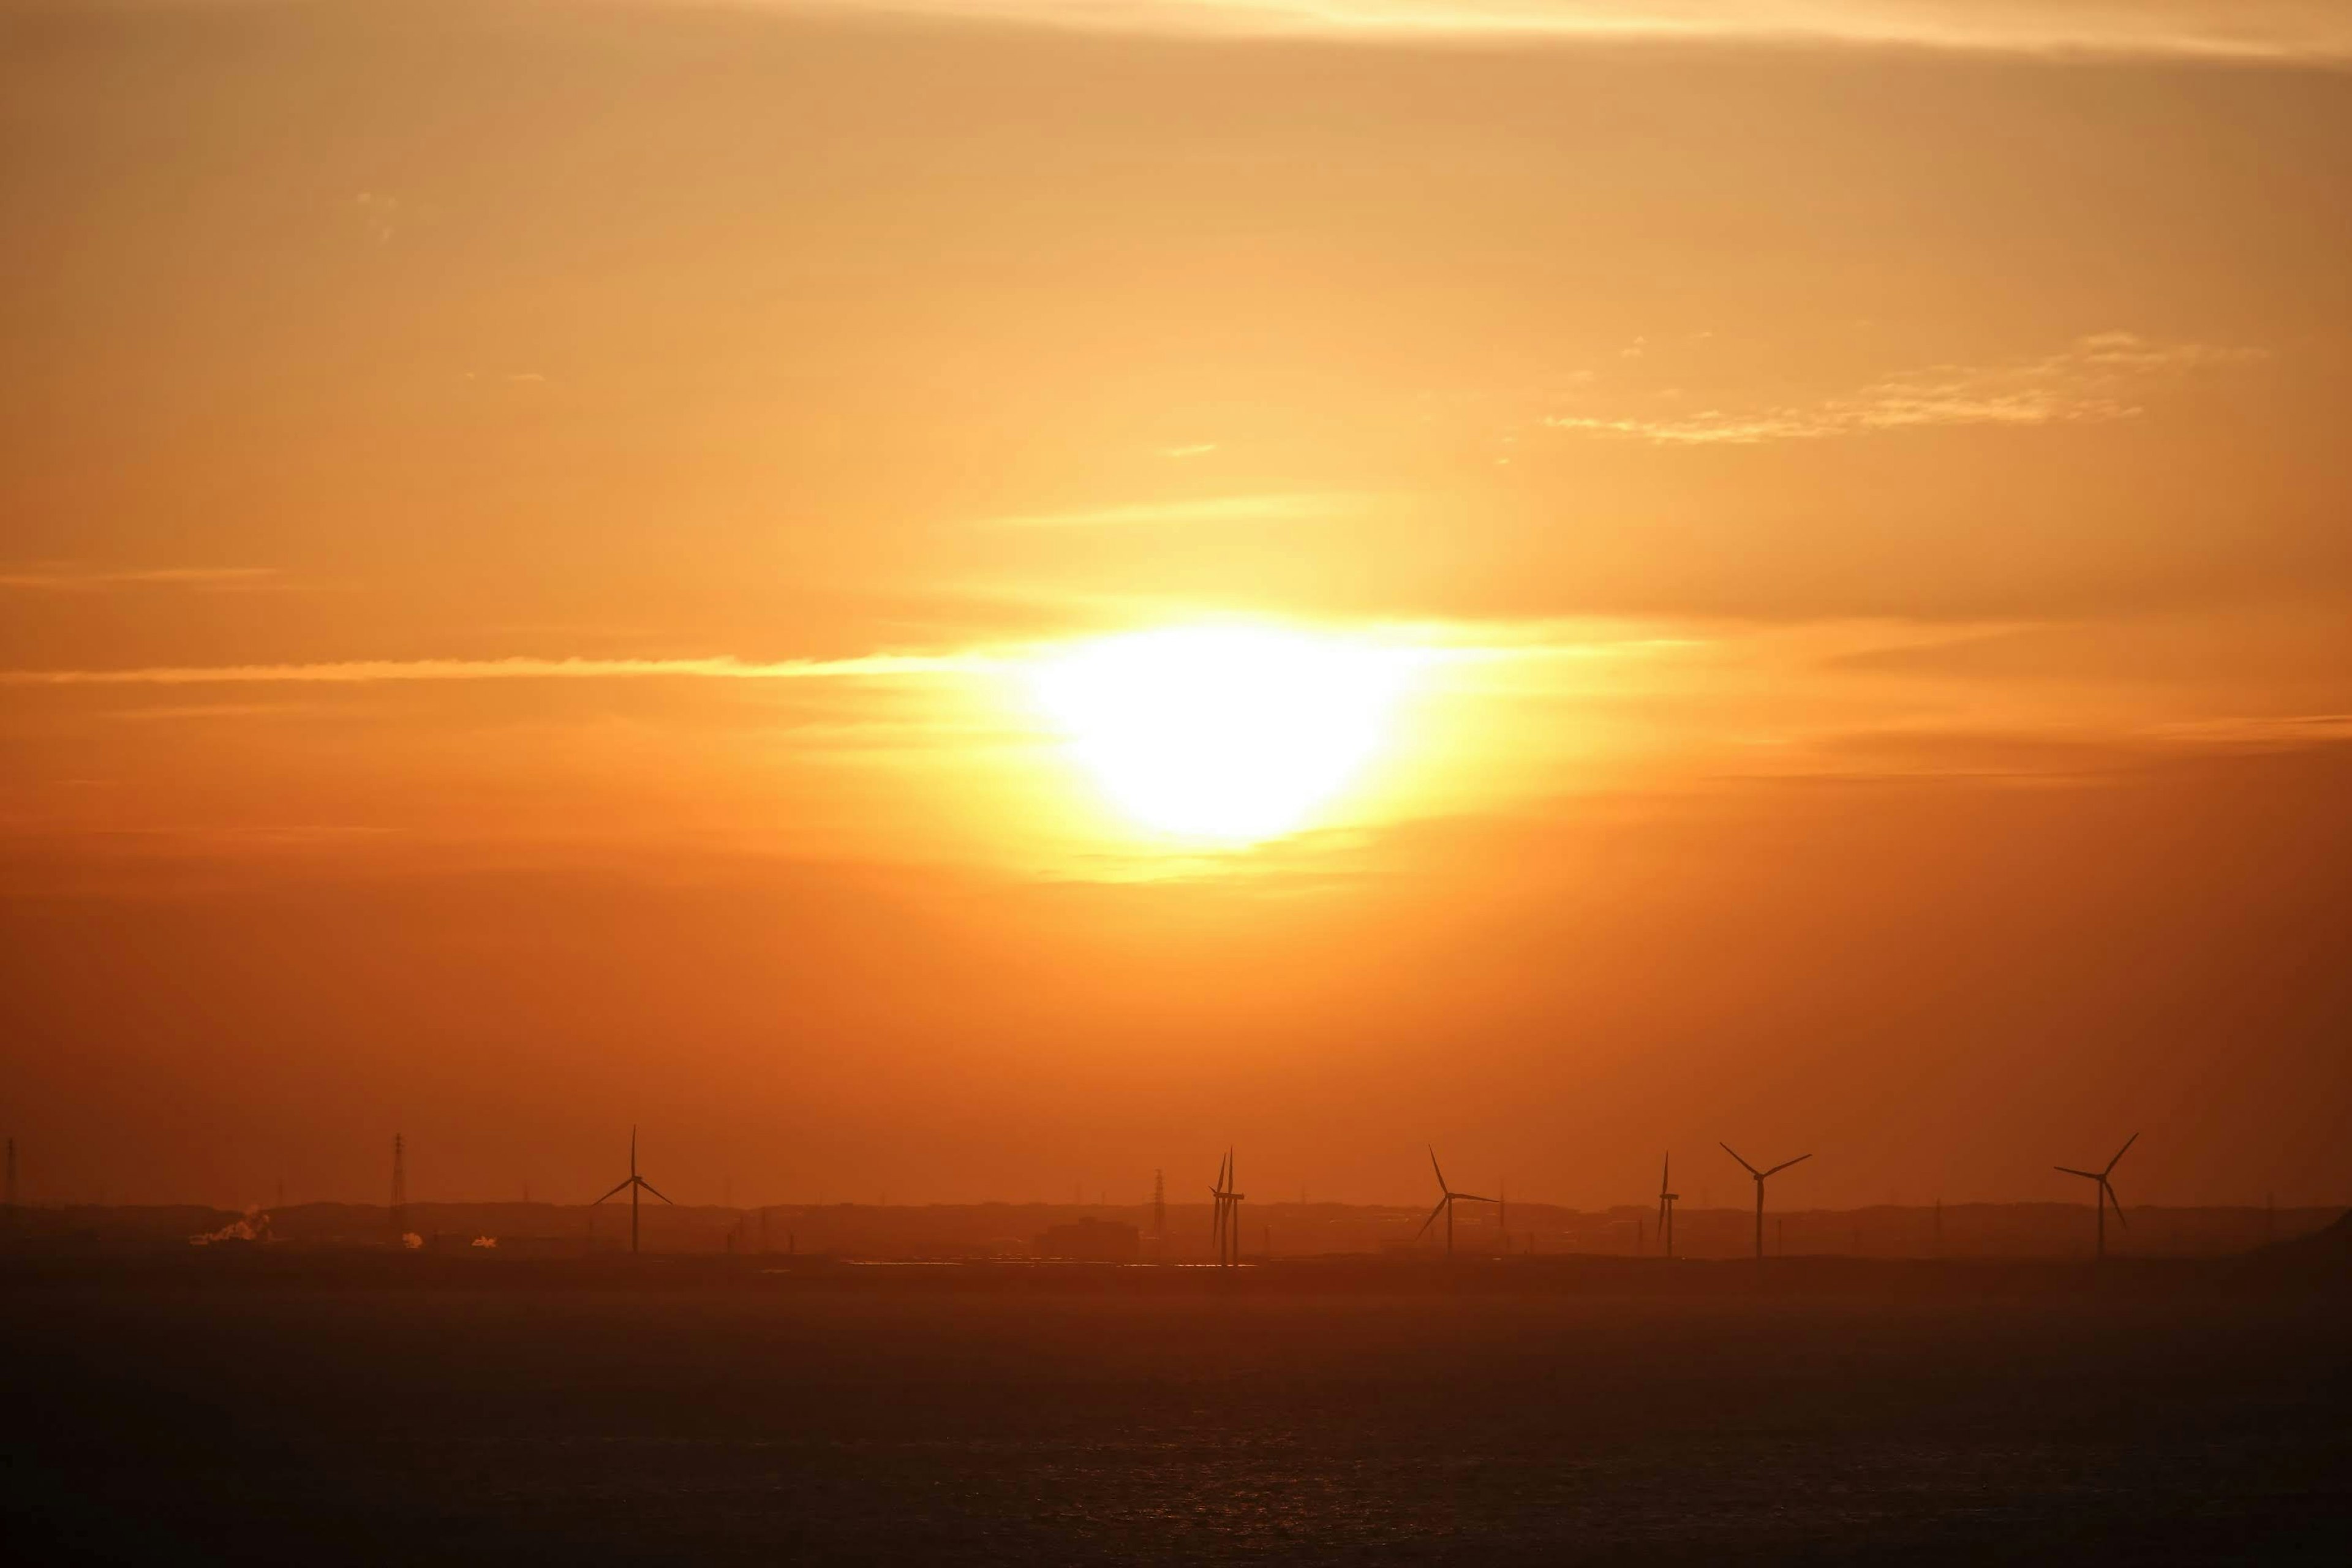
1275,1230
276,1404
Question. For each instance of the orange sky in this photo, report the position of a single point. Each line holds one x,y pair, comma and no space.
530,530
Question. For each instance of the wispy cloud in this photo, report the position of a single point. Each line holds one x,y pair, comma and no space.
1466,643
378,215
2253,30
2096,379
2290,730
173,711
1300,507
372,671
66,578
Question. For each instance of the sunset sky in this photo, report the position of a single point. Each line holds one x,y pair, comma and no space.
962,599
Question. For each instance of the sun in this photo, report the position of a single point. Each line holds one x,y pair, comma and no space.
1233,733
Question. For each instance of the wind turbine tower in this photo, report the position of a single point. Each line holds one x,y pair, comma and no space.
399,1187
1159,1214
1217,1211
1447,1198
2107,1192
633,1185
1667,1202
1761,1176
1228,1223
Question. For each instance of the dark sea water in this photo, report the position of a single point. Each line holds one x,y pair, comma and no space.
182,1420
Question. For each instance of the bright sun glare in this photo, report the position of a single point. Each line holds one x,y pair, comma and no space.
1230,733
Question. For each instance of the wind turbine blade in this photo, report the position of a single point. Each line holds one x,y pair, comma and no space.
1786,1164
1433,1165
1430,1220
2086,1176
1666,1175
2122,1152
1469,1198
1662,1208
1735,1154
2108,1188
652,1189
621,1188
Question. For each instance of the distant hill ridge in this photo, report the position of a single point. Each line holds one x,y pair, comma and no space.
2325,1253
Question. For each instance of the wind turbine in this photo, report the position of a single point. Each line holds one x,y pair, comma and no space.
1760,1177
1227,1229
1666,1200
2107,1193
632,1187
1445,1205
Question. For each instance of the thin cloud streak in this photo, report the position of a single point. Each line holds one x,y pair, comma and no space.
2094,381
372,671
1296,508
1435,644
50,579
2272,31
2287,731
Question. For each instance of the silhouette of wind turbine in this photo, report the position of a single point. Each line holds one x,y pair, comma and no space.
1760,1177
1445,1205
2107,1193
632,1187
1666,1200
1227,1229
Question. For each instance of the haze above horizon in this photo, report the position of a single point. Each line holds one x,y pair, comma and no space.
977,597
